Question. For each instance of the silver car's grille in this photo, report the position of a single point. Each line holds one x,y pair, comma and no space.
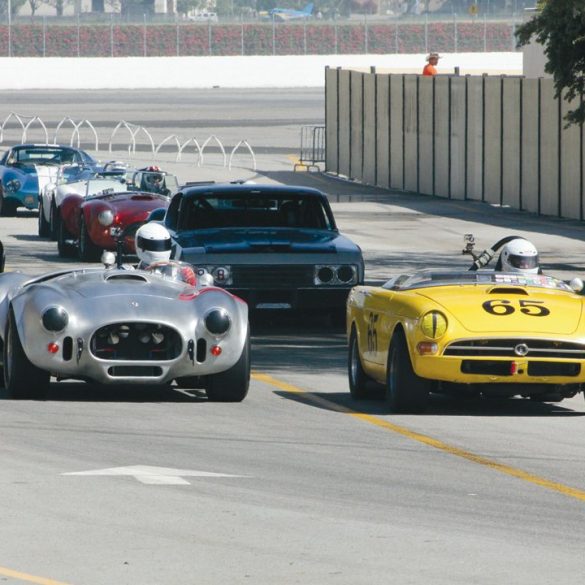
516,347
136,341
268,276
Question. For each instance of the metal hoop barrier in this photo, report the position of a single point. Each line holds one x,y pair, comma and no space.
247,145
75,133
198,152
212,137
19,118
168,139
134,131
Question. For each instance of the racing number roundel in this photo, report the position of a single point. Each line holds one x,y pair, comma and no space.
503,307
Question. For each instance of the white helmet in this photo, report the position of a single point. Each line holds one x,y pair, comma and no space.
153,243
520,255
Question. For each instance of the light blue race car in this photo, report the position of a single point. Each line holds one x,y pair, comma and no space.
26,168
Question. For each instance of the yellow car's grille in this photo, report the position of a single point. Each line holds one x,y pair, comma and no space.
516,347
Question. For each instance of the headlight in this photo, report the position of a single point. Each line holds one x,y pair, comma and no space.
434,324
335,275
106,217
55,319
13,186
217,321
222,275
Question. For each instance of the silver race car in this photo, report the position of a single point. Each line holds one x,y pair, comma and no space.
118,326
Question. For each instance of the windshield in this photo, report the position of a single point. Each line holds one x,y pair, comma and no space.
45,155
265,210
105,186
425,279
174,270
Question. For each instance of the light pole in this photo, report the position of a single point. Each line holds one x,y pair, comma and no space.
9,28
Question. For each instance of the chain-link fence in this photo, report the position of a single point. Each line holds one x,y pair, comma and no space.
47,37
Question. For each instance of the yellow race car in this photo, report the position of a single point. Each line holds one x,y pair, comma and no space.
475,332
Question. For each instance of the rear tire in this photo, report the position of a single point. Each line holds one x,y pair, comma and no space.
22,379
88,251
231,385
358,379
65,249
405,391
44,227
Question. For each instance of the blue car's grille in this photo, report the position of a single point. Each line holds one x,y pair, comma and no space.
265,276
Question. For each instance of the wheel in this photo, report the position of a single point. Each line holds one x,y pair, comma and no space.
8,208
231,385
22,379
44,227
65,249
54,221
405,391
88,251
358,380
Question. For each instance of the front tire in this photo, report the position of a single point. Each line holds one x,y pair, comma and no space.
53,221
88,251
231,385
44,227
8,208
405,391
22,379
358,379
65,249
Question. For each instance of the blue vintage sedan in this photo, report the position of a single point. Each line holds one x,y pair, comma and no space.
277,247
26,168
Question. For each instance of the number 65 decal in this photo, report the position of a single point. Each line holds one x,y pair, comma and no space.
503,307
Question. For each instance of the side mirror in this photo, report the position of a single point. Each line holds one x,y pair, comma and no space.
157,214
576,284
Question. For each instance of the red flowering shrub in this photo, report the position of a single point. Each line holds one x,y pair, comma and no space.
314,38
258,39
381,39
226,39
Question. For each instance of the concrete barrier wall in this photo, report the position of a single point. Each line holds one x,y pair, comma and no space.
501,140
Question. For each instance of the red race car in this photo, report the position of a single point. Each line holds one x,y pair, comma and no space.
89,224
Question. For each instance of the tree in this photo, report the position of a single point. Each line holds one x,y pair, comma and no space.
34,6
559,27
58,5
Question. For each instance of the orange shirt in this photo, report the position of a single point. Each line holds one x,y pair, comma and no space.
429,70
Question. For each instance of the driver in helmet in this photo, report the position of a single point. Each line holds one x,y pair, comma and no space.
153,248
519,255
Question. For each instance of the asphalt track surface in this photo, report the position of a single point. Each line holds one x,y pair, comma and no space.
314,487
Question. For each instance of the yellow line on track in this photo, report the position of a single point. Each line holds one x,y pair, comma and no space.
426,440
29,578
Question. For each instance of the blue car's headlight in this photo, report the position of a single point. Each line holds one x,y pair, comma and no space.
13,186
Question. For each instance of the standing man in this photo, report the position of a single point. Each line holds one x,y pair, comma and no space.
431,67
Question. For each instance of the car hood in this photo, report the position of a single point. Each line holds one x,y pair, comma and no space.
45,175
251,240
518,310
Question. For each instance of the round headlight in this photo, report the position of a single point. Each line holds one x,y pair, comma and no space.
217,321
345,274
325,274
106,217
13,186
55,319
434,324
221,274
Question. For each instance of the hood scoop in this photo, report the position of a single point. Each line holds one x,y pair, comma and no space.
507,290
126,277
